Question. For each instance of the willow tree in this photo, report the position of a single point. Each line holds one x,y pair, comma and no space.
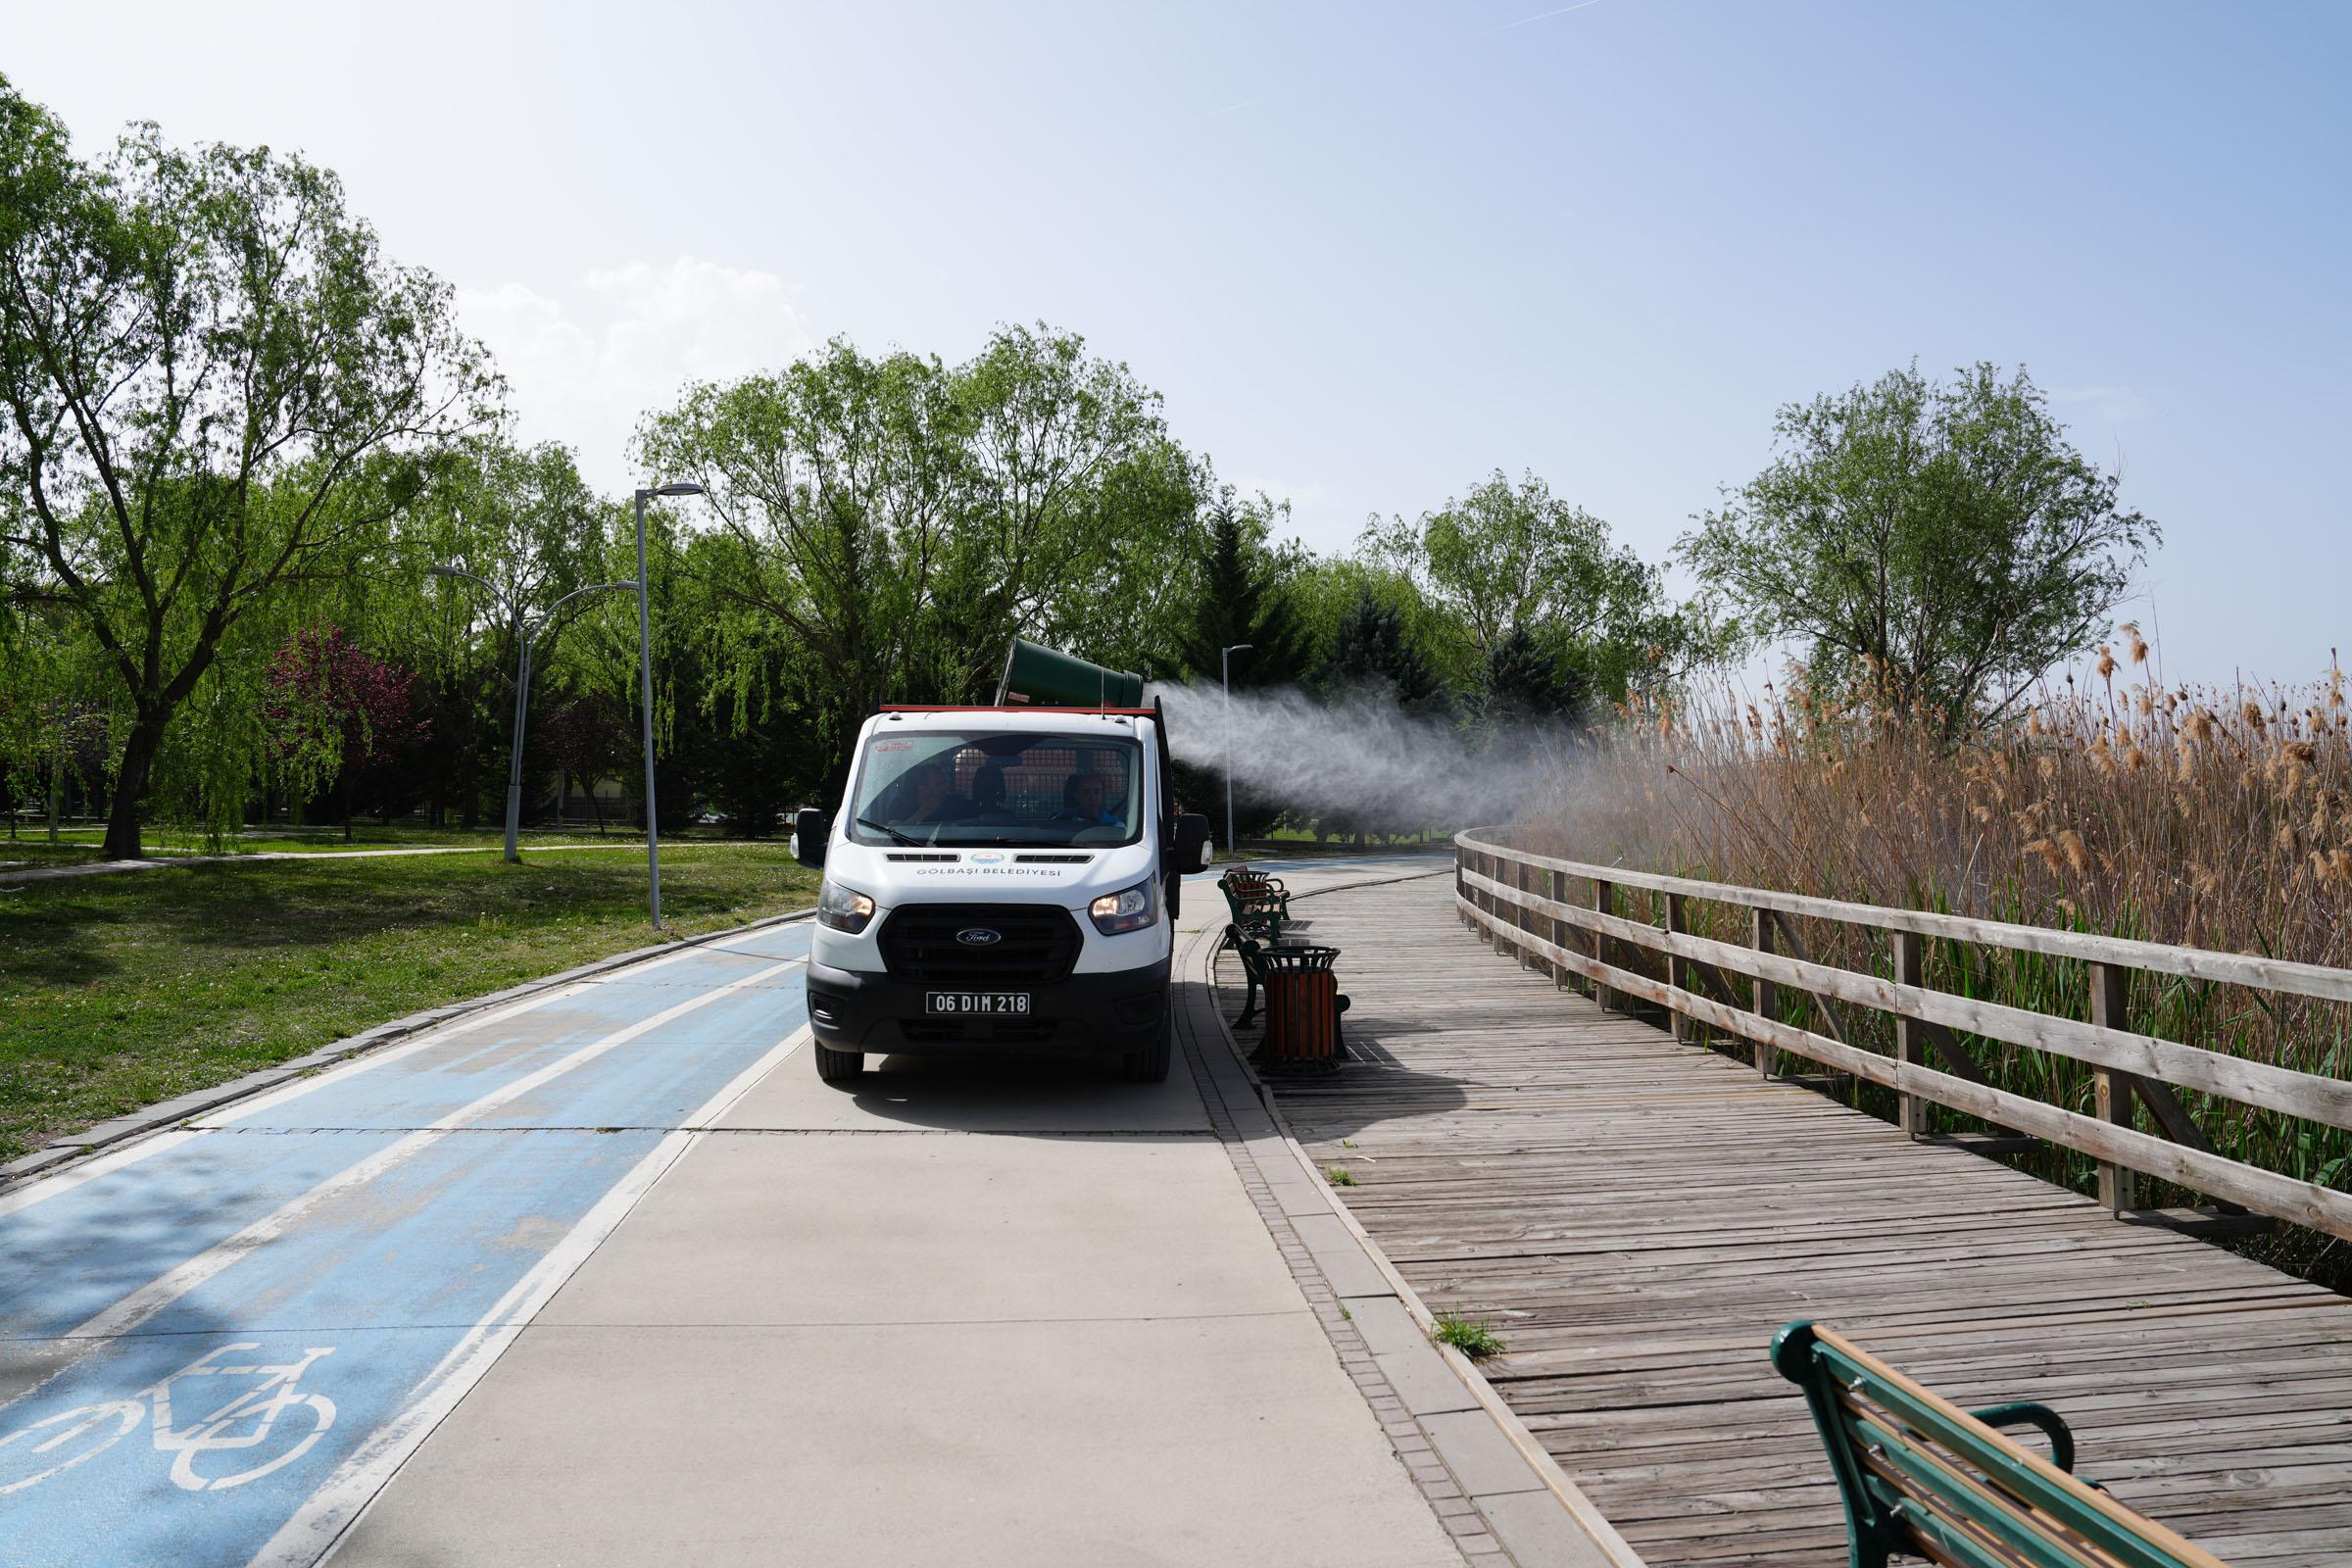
524,521
834,482
212,387
1933,547
1510,563
53,728
1077,520
900,519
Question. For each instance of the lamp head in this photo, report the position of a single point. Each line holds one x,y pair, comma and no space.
682,487
443,571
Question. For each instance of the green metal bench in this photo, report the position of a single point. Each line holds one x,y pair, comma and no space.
1249,943
1256,900
1922,1477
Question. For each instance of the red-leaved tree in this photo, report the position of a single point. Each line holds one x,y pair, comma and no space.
588,737
338,713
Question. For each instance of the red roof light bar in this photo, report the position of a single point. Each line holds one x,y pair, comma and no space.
1012,707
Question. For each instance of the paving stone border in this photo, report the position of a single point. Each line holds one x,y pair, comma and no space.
61,1151
1492,1486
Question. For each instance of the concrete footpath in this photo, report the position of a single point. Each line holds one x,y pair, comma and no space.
608,1276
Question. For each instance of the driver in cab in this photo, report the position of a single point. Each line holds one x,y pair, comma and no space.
1090,794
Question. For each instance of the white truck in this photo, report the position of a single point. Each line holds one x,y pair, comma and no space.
1002,878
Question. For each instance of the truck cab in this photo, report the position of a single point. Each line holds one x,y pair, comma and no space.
1001,878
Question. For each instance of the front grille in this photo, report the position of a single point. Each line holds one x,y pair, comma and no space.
898,857
1050,859
1036,946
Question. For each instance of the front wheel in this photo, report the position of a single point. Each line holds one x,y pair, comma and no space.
840,1067
1149,1066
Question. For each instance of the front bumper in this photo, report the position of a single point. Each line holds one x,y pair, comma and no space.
1119,1010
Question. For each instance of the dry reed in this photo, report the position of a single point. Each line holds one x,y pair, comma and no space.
2206,817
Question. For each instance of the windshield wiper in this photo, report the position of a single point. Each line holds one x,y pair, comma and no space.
896,836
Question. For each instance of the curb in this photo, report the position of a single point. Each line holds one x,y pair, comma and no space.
60,1152
1536,1537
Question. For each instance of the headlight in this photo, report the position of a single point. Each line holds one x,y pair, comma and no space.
1128,910
843,908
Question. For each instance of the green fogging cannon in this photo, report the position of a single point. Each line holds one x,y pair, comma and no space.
1042,678
1037,676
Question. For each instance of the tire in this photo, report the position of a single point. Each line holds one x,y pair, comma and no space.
28,1456
1149,1066
840,1067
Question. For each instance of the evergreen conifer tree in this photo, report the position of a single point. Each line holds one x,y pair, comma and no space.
1526,683
1371,655
1241,601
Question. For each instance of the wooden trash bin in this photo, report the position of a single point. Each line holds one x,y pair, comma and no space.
1302,1010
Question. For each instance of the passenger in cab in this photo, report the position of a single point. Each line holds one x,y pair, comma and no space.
934,796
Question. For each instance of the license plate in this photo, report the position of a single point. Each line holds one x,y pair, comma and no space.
979,1003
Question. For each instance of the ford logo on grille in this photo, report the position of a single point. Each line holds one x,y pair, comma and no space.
979,936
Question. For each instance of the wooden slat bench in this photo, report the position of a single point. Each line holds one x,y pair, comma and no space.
1922,1477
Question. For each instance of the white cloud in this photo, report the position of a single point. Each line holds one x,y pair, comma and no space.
583,371
1312,493
2108,405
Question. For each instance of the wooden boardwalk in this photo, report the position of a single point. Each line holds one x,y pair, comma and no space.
1636,1216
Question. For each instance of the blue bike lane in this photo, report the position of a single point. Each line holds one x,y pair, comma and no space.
215,1345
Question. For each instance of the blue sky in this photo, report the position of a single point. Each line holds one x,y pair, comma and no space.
1372,252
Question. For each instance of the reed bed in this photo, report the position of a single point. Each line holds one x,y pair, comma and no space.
2193,815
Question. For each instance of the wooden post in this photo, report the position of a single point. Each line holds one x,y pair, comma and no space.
1461,888
1501,910
1910,967
1504,912
1559,928
1766,996
1677,968
1494,870
1527,917
2112,1090
1483,899
1604,898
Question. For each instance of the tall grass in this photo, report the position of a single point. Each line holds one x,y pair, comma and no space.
2193,816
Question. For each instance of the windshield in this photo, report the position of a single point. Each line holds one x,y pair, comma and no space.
996,787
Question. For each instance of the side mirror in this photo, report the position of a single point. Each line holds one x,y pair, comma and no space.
809,830
1193,848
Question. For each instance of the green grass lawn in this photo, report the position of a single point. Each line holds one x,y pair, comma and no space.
32,846
119,991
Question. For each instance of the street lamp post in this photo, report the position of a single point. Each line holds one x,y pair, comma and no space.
645,671
1225,676
526,639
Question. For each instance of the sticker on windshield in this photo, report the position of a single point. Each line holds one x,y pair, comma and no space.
894,746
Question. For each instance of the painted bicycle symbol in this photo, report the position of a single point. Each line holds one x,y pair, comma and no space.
270,1419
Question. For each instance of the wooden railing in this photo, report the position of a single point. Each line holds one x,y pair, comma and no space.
1522,901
